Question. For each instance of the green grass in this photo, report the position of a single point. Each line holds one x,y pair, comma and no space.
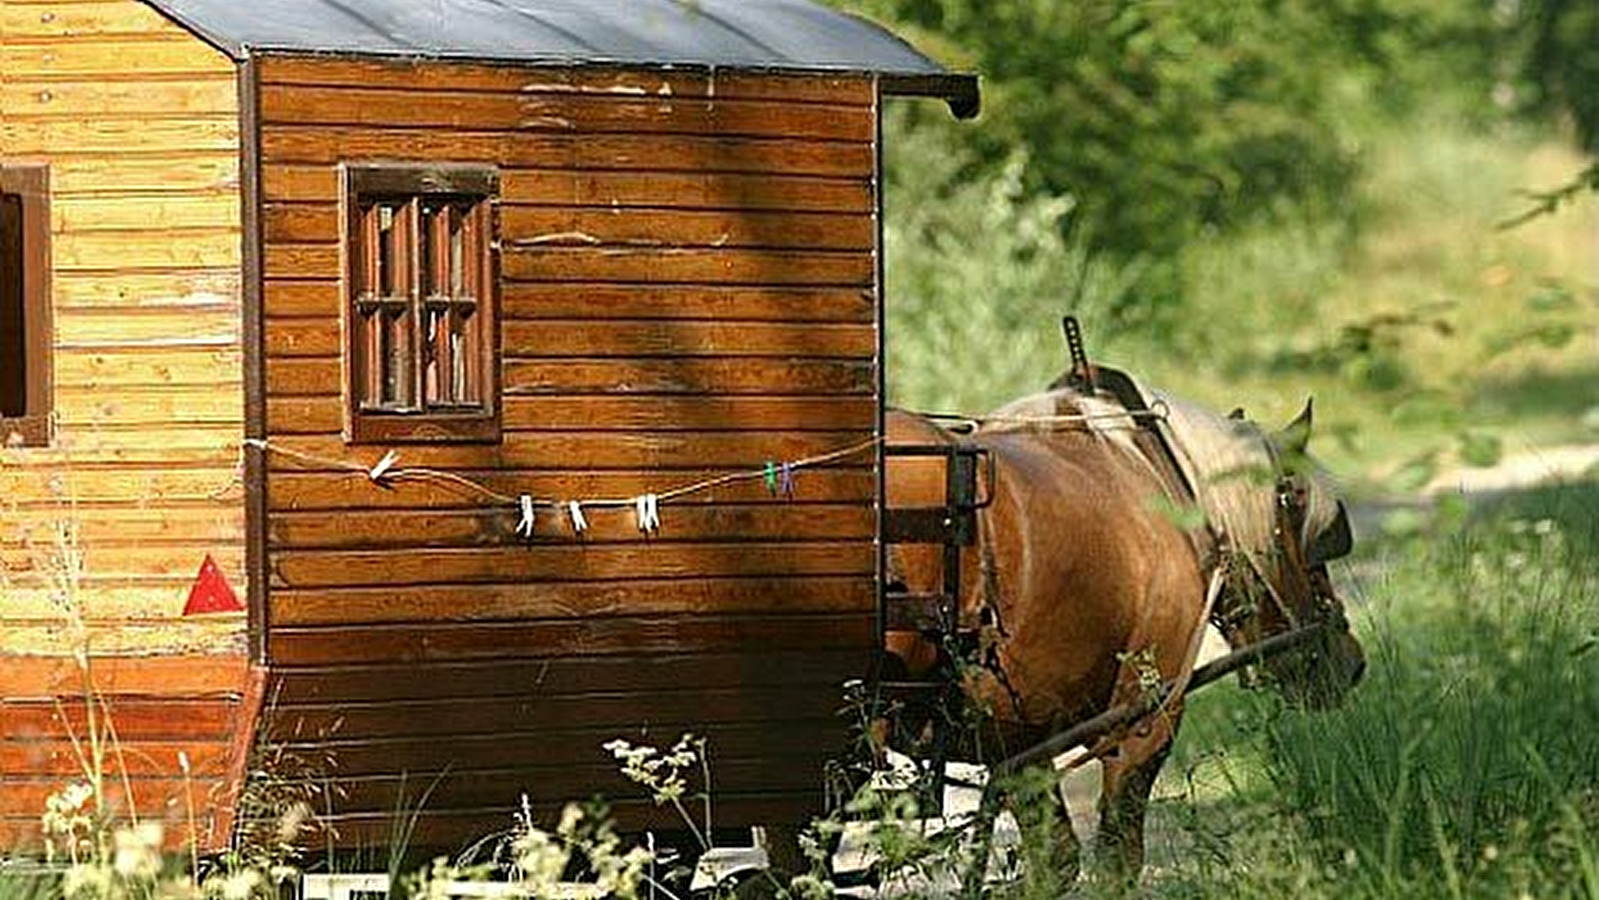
1464,766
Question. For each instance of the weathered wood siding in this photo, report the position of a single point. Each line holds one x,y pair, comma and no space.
689,289
138,123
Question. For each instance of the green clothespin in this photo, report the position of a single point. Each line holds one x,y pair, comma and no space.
771,477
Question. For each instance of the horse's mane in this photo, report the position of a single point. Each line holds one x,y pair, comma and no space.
1231,463
1228,462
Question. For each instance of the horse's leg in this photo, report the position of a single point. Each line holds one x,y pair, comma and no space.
1127,779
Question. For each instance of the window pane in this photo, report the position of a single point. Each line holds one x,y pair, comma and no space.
397,359
458,257
390,280
13,334
461,353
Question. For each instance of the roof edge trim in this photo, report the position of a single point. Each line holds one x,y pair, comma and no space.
960,91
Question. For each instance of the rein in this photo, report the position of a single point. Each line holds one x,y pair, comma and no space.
1120,716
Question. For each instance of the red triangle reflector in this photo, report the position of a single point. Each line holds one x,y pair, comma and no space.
211,592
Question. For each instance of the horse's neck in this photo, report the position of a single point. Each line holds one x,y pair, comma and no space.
1224,460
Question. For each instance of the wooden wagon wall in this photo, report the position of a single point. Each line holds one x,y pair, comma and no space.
689,288
137,122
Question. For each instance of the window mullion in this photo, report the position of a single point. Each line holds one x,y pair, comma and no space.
416,305
372,321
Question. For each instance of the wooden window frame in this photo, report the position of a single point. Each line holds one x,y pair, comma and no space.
30,183
377,323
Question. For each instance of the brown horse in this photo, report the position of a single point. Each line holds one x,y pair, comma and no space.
1088,576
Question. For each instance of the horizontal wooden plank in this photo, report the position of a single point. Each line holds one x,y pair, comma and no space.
160,599
642,265
457,788
605,190
74,453
710,302
746,667
564,637
184,326
170,561
164,800
528,747
690,376
72,18
123,251
24,677
133,132
458,529
112,442
126,485
545,226
329,491
554,600
134,718
80,406
148,365
325,415
130,525
85,54
534,227
444,832
577,113
688,266
198,95
672,339
195,287
458,717
153,759
98,212
578,451
288,298
326,71
667,339
571,562
215,634
321,375
688,190
111,174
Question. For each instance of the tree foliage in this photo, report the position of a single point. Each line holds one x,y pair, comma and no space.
1169,122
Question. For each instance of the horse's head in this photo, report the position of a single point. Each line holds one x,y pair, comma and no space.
1283,524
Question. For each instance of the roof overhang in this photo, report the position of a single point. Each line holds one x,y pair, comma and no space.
799,36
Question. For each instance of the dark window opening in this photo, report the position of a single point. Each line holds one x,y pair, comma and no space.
24,306
420,319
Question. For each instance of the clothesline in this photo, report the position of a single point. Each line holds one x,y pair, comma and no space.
778,476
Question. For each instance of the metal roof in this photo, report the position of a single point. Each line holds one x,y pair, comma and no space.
736,34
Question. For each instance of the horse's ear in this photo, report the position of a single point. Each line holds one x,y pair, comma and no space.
1296,437
1237,415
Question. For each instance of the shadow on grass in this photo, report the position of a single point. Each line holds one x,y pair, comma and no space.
1573,506
1538,394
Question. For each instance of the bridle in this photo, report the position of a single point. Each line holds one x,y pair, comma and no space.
1290,510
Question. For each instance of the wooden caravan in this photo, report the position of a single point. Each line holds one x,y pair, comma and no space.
485,380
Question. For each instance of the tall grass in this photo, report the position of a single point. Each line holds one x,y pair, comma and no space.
1465,765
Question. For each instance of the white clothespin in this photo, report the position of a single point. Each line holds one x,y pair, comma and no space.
382,467
647,508
575,510
525,526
